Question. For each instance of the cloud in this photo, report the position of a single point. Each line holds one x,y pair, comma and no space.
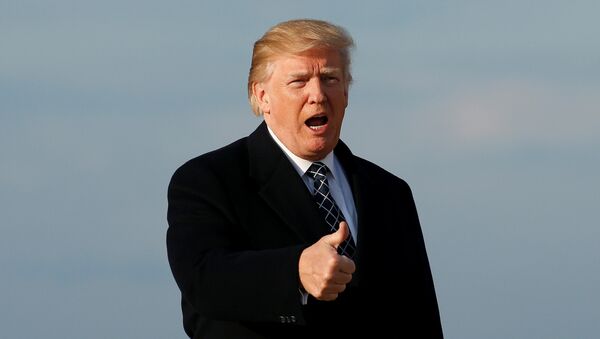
510,113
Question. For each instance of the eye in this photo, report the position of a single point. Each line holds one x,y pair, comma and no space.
297,82
330,79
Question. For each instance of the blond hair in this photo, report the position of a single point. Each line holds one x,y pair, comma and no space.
295,37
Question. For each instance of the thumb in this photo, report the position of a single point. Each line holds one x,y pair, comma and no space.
336,238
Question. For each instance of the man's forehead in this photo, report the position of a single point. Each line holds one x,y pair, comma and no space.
307,62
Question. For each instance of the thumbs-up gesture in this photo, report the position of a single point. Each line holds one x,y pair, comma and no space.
323,272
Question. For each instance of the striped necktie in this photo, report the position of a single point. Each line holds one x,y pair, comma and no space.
327,206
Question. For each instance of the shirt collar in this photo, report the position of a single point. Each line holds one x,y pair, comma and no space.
302,165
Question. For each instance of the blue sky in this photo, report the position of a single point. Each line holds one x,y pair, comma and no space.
489,109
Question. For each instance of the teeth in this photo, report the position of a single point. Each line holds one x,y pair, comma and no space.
314,128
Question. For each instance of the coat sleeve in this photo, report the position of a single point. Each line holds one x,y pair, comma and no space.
426,312
219,274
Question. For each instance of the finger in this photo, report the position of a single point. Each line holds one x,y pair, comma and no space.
327,296
346,265
336,238
335,289
342,278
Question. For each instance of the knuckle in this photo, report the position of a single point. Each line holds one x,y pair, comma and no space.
334,261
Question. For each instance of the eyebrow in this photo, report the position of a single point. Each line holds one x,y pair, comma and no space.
324,71
331,70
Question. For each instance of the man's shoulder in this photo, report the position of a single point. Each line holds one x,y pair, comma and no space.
224,155
221,160
378,174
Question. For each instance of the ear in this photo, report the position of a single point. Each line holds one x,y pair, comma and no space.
346,95
262,97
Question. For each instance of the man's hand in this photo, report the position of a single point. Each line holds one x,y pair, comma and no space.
323,272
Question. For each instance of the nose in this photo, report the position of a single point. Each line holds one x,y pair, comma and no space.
316,93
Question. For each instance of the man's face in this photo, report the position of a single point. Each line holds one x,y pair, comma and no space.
304,100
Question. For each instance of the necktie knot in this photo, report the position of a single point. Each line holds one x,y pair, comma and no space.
317,171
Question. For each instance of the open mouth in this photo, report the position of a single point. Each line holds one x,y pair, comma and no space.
316,123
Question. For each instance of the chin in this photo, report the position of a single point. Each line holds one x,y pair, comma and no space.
319,152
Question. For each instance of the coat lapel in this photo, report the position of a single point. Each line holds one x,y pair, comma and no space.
281,187
363,199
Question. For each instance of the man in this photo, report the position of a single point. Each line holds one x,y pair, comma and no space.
287,234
